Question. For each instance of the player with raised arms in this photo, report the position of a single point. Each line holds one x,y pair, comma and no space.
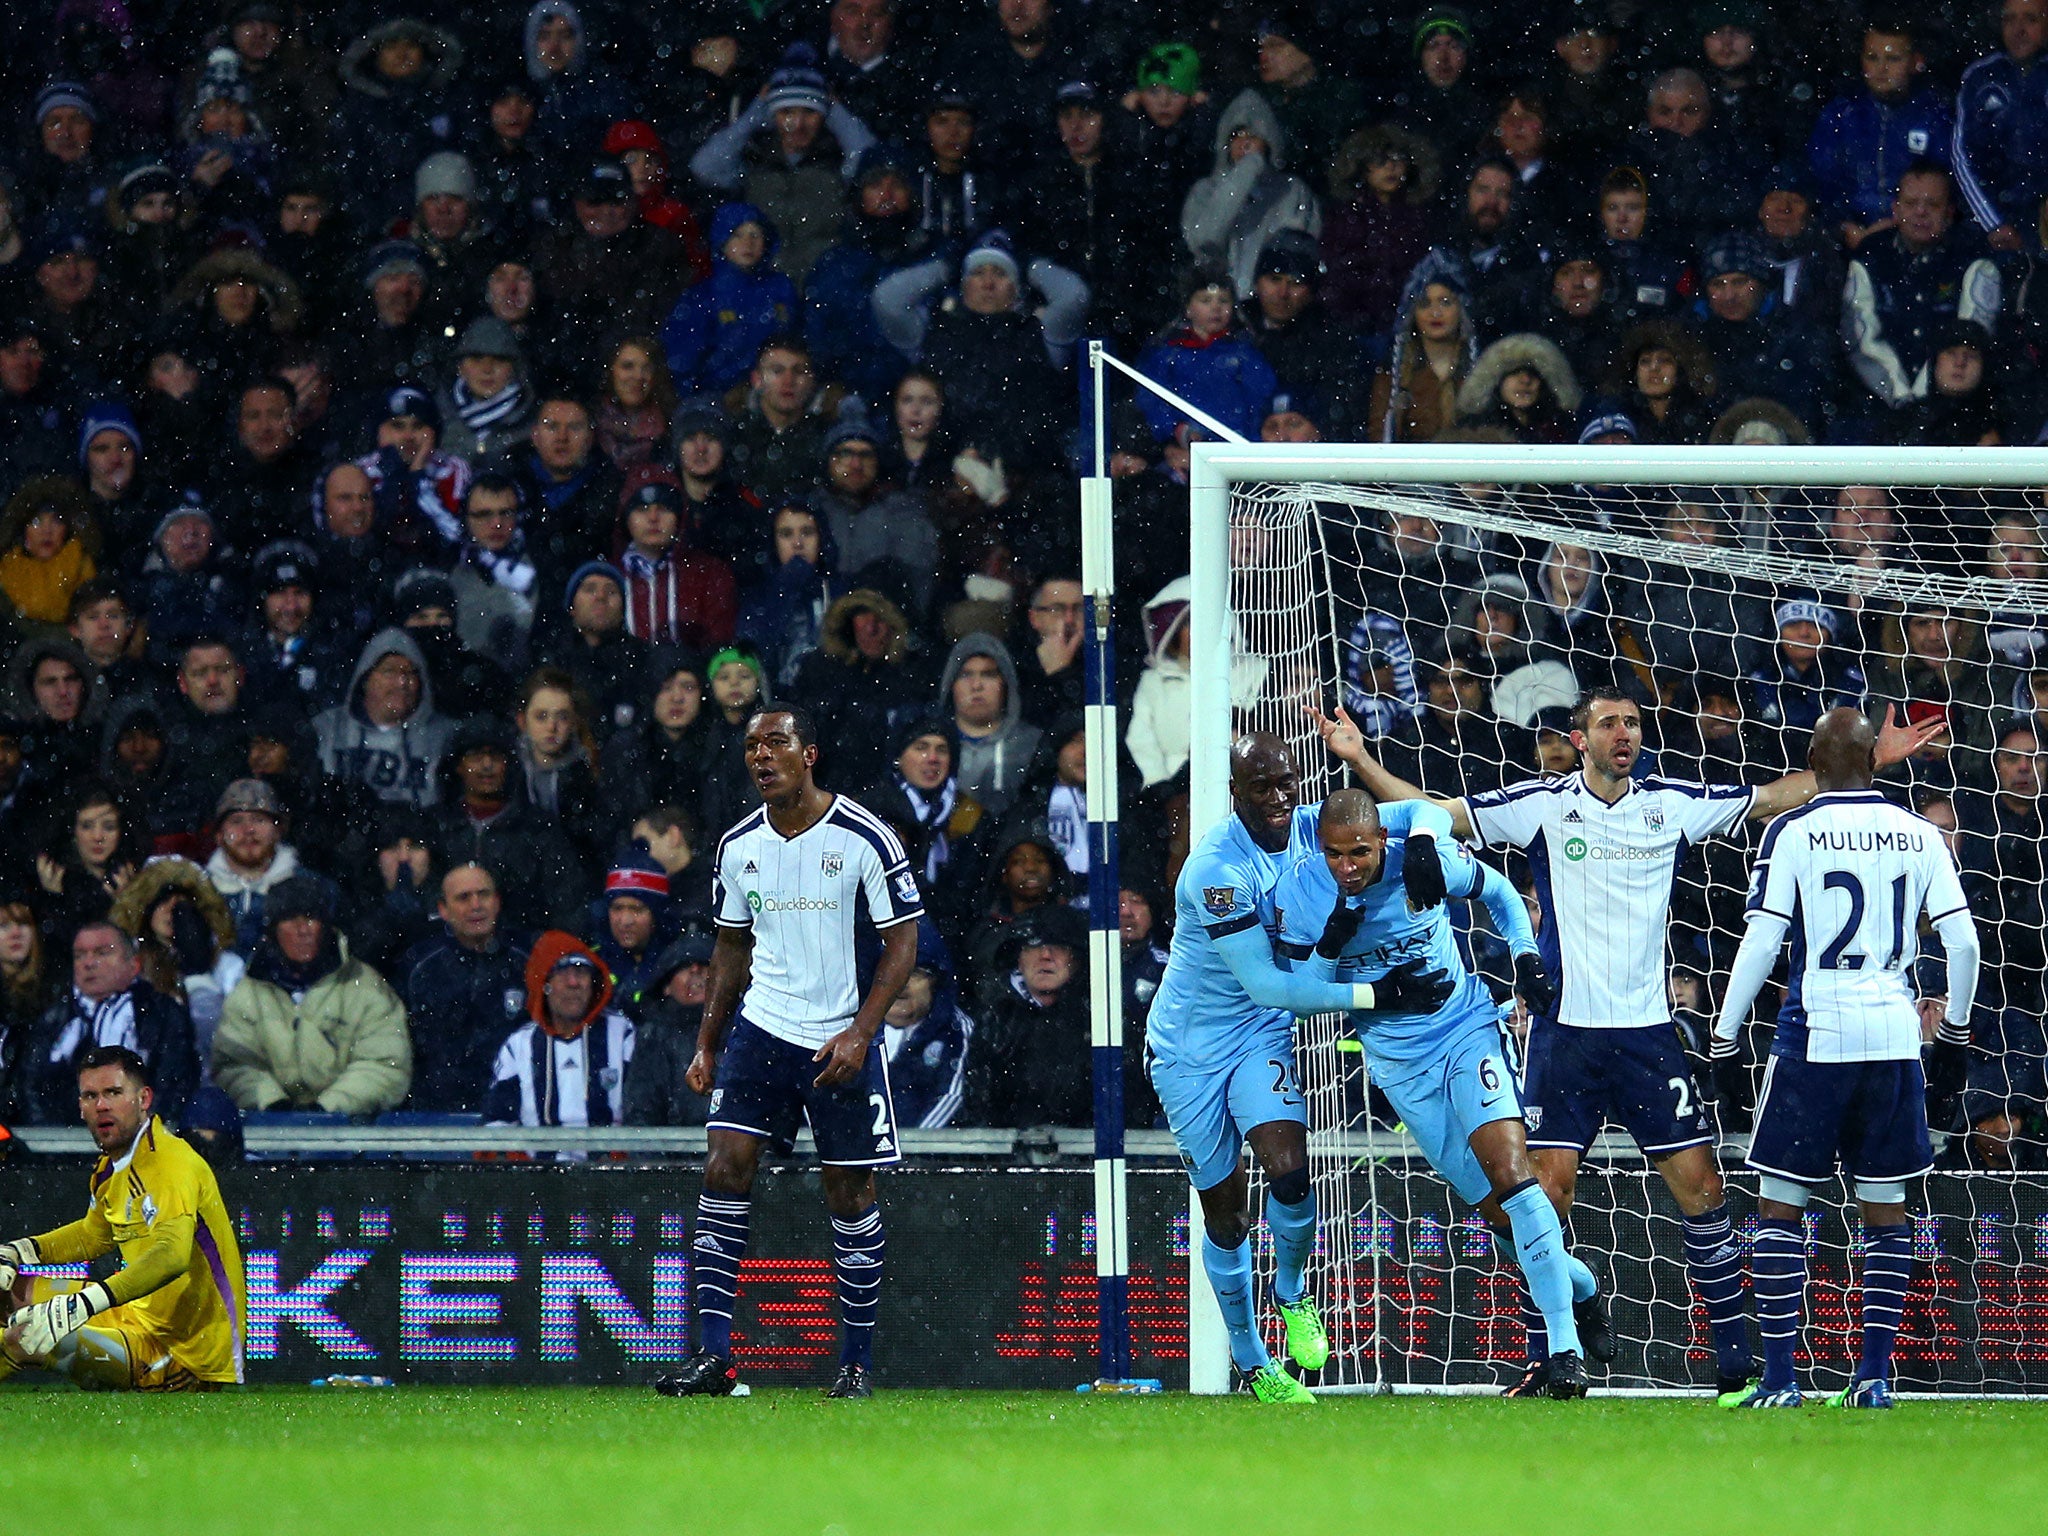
1219,1047
1444,1070
1604,849
793,886
1848,875
170,1318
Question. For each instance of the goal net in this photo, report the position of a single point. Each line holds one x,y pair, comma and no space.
1457,600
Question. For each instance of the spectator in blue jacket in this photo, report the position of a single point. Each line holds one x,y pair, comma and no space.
1864,141
2000,150
1802,679
926,1036
1208,360
718,327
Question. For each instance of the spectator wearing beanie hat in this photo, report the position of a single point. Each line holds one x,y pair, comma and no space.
293,657
1802,678
450,233
1166,126
486,408
392,336
717,328
1759,350
117,488
485,819
872,525
1315,108
310,1027
62,175
608,664
789,155
631,921
606,270
639,148
998,351
675,593
418,486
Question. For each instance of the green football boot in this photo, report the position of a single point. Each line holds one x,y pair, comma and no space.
1271,1384
1308,1344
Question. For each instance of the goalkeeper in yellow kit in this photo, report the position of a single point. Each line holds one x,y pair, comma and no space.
170,1319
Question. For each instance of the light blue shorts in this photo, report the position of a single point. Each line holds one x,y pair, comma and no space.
1443,1099
1211,1109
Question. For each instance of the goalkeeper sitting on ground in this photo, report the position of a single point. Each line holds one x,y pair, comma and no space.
170,1319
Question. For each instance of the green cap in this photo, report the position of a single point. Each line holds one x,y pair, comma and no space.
1174,65
1442,18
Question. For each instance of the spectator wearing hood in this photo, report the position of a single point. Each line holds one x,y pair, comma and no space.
659,758
1574,307
389,333
1436,343
926,1038
310,1027
1664,382
788,155
575,97
1207,359
465,681
782,615
996,346
108,1003
1164,132
464,986
516,187
387,736
1523,385
395,111
631,920
1161,709
48,541
59,704
568,1065
665,1037
1028,1063
1314,106
137,763
882,234
1961,409
185,939
1376,230
1248,197
486,818
1025,874
718,327
860,682
978,689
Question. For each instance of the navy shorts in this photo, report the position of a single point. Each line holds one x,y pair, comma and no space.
1868,1117
1574,1079
766,1087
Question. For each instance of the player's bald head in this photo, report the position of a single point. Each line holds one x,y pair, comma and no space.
1349,808
1259,754
1844,750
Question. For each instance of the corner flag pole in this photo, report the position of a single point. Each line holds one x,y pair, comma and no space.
1105,945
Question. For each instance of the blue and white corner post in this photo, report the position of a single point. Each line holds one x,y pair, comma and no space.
1105,945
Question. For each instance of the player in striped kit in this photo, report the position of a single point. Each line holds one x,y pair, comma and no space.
1604,849
1848,875
793,885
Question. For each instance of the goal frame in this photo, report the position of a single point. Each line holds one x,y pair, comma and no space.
1217,469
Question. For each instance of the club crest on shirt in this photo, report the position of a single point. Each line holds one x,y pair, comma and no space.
1653,817
1221,900
831,863
1533,1114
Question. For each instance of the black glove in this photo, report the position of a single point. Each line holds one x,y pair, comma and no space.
1337,932
1410,989
191,940
1731,1084
1422,873
1534,986
1948,1072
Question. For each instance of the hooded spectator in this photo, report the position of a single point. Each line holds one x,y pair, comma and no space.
1248,197
881,236
1380,182
659,758
568,1066
665,1037
860,682
638,147
395,111
387,736
978,688
1523,385
927,1036
717,328
186,940
574,96
1161,709
1415,396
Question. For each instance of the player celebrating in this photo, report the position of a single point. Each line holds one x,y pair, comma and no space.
170,1319
1443,1070
794,883
1849,874
1220,1049
1604,850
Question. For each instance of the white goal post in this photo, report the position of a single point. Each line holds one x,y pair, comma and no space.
1286,493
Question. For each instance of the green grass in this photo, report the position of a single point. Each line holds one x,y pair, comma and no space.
560,1460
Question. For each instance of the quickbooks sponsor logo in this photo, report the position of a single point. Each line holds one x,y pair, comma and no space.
1574,849
762,903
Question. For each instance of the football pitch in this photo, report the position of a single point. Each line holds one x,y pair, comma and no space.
558,1460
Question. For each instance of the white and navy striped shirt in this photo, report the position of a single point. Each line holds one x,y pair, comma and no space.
1851,873
1604,875
803,897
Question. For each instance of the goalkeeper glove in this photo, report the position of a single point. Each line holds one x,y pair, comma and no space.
16,1256
1731,1078
1422,874
49,1323
1338,930
1534,986
1409,989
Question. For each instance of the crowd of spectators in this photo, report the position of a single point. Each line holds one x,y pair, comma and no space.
428,431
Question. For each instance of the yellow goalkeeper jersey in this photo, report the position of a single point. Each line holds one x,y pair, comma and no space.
180,1284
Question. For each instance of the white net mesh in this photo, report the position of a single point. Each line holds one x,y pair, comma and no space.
1457,623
